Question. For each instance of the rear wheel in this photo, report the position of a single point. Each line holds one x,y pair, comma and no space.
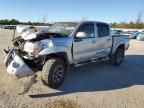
53,72
117,58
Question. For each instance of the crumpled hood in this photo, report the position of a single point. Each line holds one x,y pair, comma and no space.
30,33
28,36
57,41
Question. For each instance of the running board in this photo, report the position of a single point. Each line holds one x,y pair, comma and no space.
89,61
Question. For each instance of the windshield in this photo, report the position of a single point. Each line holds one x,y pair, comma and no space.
63,27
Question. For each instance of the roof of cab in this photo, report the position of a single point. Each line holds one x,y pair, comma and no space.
93,22
80,22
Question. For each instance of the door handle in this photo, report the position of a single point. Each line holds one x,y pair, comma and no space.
77,40
93,41
108,39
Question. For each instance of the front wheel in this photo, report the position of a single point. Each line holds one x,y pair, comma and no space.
117,58
53,72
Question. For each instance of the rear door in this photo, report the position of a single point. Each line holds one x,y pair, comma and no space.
104,40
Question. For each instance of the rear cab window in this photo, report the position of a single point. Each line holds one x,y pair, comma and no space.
103,29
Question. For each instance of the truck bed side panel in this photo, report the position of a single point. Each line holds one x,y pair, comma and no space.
119,40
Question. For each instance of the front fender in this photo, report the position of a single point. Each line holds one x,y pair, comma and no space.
51,50
56,50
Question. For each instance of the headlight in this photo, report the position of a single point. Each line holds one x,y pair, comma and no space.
36,47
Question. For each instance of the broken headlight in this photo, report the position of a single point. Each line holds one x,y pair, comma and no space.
36,47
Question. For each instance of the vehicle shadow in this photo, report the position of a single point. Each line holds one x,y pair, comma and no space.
101,76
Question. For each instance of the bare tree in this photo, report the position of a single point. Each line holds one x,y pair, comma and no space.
139,18
44,19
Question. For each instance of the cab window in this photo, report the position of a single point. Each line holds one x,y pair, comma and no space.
85,31
103,30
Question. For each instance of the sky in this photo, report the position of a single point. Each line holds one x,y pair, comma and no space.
68,10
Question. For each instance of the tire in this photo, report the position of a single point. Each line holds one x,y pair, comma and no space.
117,58
53,72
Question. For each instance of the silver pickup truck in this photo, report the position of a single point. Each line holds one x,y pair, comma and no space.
65,44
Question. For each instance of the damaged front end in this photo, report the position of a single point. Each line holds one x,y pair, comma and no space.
22,61
23,58
29,53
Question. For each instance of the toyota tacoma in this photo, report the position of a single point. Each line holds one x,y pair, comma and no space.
65,44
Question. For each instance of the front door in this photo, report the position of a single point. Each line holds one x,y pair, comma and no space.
84,43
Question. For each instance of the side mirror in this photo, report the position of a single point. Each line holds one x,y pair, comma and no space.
80,35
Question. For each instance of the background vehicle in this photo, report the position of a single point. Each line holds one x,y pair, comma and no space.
116,32
65,44
134,35
140,37
9,27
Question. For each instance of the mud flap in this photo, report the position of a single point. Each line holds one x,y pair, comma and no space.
28,85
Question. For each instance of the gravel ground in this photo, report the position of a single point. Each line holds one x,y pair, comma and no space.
96,85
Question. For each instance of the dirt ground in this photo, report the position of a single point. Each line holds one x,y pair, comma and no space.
96,85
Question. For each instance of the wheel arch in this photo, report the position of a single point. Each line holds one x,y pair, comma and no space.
62,55
122,45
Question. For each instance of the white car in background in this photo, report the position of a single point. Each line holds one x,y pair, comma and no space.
134,35
140,37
